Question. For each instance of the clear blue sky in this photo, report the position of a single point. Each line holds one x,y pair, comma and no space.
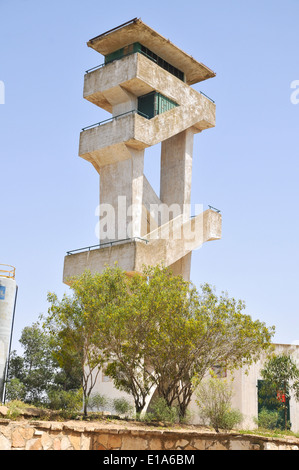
247,166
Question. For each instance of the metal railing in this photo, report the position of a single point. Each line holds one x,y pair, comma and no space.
133,111
96,38
123,240
122,57
103,245
214,209
202,93
9,271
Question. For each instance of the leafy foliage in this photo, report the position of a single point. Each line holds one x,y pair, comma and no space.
75,322
66,400
214,403
161,411
267,419
98,402
167,332
151,330
122,406
281,378
34,375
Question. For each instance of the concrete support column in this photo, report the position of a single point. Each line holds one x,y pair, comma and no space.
121,192
176,171
175,187
121,100
182,267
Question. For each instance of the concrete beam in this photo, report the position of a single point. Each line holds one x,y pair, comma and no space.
132,255
138,75
108,142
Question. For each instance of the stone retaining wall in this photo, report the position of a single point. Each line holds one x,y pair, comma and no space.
43,435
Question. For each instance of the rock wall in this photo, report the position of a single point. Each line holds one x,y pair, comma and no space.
72,435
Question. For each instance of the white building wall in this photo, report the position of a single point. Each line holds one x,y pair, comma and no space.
245,392
245,389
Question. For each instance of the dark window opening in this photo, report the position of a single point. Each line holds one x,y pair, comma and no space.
137,47
152,104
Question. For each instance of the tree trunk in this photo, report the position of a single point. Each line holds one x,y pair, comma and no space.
139,406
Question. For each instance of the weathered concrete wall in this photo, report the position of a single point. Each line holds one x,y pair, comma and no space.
47,435
123,179
138,75
115,88
166,245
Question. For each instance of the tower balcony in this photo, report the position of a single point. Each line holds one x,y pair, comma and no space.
168,243
134,76
107,142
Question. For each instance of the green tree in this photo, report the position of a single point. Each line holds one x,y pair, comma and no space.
36,369
124,335
32,376
15,390
189,332
151,329
281,376
75,322
167,332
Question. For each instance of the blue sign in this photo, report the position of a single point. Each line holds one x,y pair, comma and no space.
2,292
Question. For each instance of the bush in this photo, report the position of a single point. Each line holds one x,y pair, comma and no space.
122,406
99,402
15,390
214,402
69,401
230,419
267,419
15,408
160,411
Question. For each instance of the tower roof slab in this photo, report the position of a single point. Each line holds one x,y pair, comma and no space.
137,31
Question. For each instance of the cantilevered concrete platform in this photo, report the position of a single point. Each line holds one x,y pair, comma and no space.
168,243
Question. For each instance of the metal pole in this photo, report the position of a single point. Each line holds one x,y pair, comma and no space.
9,350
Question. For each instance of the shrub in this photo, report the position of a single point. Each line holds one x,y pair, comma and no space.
160,411
230,419
214,402
122,406
15,390
99,402
69,401
15,408
267,419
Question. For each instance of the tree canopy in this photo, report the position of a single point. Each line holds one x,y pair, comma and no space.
152,330
36,374
281,379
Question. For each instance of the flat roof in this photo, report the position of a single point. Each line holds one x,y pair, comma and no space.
137,31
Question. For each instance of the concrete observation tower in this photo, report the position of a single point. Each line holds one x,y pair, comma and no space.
8,296
145,83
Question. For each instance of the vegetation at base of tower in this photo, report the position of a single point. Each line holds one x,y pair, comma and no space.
36,378
79,324
149,331
213,398
280,379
